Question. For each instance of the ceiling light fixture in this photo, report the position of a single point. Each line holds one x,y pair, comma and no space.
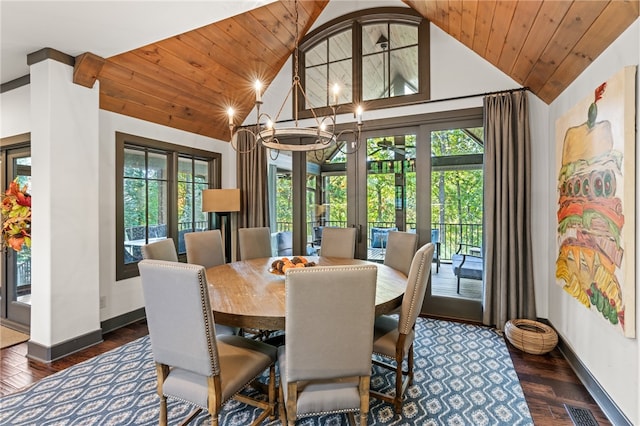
296,138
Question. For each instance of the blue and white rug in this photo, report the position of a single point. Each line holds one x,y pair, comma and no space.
463,376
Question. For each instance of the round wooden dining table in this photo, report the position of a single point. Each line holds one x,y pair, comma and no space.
246,294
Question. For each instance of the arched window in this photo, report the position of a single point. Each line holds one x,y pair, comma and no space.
379,57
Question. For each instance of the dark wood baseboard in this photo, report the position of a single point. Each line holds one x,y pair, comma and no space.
601,397
46,354
121,320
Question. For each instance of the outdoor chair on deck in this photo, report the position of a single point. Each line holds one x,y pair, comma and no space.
325,366
284,243
254,243
435,239
192,363
393,336
467,263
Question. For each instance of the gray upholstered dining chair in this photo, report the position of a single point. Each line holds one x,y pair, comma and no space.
192,363
254,242
401,246
338,242
393,336
204,248
160,250
325,365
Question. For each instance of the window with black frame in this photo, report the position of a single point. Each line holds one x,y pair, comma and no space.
159,196
377,56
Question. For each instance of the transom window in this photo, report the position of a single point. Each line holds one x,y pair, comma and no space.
379,57
389,60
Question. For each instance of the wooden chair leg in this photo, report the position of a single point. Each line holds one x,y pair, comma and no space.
397,400
410,365
281,405
272,392
292,403
163,411
214,420
192,415
364,386
162,371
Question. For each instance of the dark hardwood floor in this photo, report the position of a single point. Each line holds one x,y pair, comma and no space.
547,380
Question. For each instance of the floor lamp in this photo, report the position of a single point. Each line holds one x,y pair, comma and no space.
222,202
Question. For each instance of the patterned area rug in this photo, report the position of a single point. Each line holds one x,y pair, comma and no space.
463,376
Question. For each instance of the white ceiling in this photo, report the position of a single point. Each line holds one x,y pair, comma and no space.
105,28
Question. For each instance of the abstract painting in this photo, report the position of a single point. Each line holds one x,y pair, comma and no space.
596,201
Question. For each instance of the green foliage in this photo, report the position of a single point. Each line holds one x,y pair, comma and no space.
336,195
456,195
284,201
456,142
147,186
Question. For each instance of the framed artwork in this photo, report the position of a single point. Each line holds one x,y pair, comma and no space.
595,147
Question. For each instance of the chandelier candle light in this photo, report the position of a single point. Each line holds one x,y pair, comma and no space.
296,138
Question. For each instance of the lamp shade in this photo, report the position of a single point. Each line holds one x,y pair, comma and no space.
221,200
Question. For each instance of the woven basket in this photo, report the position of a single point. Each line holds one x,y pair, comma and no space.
531,336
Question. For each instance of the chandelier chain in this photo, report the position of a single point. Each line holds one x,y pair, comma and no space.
325,133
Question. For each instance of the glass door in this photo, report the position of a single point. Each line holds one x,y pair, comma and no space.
456,203
426,178
16,288
390,189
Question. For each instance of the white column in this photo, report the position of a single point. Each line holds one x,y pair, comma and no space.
65,258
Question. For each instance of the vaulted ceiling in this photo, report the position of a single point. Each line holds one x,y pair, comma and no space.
188,81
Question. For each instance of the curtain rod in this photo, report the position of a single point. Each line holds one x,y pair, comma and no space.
455,98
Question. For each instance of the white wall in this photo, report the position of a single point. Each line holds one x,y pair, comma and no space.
121,297
450,77
64,158
611,358
15,112
617,372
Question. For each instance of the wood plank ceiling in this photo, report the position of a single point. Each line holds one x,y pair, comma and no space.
188,81
542,44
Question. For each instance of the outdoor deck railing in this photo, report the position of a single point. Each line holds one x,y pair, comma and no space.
450,234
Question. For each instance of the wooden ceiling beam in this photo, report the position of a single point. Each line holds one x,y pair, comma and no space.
86,69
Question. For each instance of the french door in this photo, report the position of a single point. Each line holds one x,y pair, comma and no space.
425,178
455,200
16,266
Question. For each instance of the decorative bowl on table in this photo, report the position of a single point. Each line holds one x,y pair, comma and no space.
280,266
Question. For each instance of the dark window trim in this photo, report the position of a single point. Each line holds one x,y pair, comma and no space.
354,21
173,151
16,140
